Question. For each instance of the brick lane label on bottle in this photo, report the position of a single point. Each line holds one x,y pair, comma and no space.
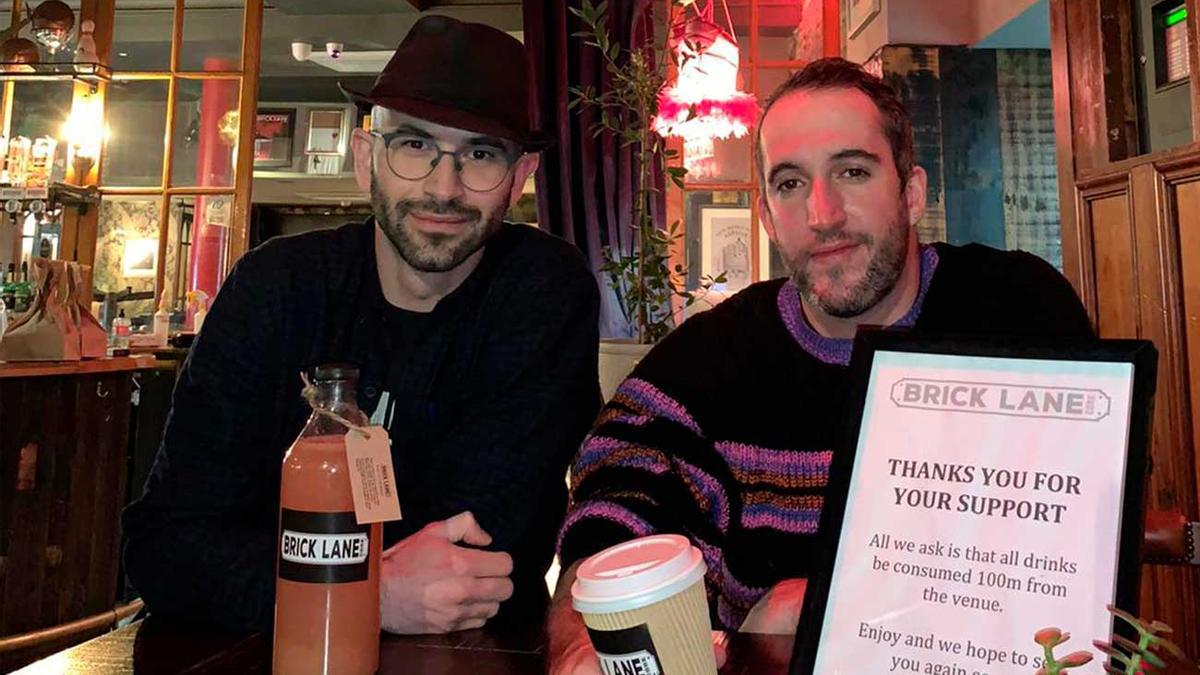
323,548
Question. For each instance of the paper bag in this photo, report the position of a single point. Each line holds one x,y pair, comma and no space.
47,332
93,341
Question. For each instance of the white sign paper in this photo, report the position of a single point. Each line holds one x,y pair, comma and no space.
985,505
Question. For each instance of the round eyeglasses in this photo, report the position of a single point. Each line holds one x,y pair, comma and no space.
481,167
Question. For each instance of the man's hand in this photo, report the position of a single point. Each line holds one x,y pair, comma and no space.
777,612
430,584
580,658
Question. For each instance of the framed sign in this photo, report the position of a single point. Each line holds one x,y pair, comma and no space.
858,14
274,130
987,490
325,132
725,246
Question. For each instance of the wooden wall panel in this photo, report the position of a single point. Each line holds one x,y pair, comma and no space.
1116,277
1187,206
1086,58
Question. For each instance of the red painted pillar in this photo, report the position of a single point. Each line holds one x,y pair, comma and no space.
214,168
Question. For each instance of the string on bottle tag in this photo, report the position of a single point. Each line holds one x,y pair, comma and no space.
310,394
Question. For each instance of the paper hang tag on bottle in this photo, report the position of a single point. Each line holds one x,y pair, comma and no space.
372,478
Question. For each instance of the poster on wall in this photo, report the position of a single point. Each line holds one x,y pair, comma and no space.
273,133
987,491
725,246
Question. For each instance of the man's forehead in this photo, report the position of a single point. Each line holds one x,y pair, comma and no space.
816,120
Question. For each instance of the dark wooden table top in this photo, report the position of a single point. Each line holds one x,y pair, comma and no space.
155,646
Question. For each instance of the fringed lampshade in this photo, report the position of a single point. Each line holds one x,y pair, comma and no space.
703,103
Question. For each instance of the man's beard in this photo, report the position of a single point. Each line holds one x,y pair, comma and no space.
432,252
883,270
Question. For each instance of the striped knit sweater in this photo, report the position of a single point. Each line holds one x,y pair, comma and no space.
724,432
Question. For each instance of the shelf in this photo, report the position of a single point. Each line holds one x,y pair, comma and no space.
90,73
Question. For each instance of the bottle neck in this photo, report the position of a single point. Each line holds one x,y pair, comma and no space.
333,394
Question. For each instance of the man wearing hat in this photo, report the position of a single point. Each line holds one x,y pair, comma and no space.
476,342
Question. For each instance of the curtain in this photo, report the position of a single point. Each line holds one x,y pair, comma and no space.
584,184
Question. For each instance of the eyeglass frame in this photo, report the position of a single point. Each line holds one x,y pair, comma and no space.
509,156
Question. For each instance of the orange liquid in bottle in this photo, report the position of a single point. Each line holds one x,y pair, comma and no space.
327,623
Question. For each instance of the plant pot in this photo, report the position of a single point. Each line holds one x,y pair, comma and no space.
617,360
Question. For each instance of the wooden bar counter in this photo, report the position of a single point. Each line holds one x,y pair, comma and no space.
64,430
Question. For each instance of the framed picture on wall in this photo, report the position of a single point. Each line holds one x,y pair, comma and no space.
858,14
140,259
325,132
274,130
725,245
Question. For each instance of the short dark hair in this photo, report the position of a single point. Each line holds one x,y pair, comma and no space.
838,73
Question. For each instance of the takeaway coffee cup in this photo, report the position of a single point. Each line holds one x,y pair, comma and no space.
644,605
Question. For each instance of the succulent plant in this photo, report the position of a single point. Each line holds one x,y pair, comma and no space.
1136,656
1049,638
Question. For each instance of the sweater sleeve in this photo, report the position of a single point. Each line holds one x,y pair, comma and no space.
200,541
647,467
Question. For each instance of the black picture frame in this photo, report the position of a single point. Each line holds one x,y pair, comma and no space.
285,138
1141,353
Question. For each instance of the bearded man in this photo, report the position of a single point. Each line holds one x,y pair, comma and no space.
724,432
475,339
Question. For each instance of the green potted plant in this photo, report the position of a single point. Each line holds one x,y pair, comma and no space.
651,292
1153,652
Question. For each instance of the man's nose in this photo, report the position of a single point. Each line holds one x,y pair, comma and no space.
825,207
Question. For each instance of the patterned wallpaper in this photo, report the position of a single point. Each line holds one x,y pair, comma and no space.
122,220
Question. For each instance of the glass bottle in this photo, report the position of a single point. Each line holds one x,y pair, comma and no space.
327,587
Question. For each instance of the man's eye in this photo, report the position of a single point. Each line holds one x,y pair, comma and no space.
787,185
412,144
856,173
482,154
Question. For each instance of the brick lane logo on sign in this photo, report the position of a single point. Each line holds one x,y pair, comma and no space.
991,398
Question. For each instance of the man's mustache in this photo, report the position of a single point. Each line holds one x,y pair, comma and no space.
433,207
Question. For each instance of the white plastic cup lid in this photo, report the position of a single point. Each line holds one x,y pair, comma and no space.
636,573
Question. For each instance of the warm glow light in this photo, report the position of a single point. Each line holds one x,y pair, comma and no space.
84,131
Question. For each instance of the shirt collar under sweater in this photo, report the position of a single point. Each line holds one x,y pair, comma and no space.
837,350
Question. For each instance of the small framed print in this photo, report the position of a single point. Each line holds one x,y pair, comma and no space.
274,130
326,132
858,14
140,259
725,246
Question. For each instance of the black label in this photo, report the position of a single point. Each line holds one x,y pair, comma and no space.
323,548
628,651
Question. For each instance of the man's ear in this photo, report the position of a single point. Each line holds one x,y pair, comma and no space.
363,147
522,170
915,195
768,221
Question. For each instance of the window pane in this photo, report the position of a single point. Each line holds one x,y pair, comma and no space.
205,134
137,121
782,36
212,36
127,253
142,36
180,220
40,108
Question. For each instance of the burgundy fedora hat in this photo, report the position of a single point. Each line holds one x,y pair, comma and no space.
462,75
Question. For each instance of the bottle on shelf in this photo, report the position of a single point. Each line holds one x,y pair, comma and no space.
121,330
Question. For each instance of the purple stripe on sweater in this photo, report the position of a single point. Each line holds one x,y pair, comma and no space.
711,491
608,511
795,521
603,450
746,457
642,396
837,350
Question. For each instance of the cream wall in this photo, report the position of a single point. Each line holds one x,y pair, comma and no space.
932,22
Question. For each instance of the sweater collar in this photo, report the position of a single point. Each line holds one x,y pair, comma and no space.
837,351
